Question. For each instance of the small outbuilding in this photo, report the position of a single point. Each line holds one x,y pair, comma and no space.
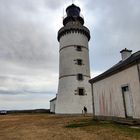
116,92
53,105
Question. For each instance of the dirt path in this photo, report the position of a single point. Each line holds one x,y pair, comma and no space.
51,127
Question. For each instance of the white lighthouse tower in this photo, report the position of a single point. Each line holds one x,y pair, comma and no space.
74,91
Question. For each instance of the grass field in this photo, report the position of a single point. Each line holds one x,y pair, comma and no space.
51,127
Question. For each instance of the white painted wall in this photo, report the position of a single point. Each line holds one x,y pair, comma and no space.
52,106
108,99
68,102
67,61
73,39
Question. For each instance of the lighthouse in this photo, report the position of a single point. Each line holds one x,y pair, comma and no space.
74,91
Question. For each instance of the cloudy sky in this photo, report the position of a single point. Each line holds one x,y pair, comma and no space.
29,53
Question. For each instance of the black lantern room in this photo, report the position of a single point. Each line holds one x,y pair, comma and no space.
73,14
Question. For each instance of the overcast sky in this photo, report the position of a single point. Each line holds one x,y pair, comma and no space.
29,56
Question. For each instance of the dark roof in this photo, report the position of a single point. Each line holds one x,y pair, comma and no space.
133,59
73,6
53,99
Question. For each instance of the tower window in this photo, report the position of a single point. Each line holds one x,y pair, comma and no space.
125,88
81,91
80,76
79,61
79,48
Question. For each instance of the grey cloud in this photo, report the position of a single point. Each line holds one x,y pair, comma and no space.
23,101
29,48
116,27
54,4
25,92
28,53
27,42
10,92
35,83
31,5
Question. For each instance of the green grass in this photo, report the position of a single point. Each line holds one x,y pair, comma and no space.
88,122
82,123
108,125
128,130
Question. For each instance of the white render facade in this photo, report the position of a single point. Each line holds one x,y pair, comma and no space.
117,91
52,105
74,91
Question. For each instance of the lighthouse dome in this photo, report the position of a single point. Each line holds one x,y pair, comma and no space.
73,10
73,14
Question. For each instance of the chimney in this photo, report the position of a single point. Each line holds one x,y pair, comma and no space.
125,53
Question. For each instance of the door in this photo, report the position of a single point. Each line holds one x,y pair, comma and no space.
127,101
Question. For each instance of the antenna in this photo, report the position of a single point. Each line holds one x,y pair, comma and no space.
72,1
63,13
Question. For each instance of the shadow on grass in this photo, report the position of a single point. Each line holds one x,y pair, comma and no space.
82,123
100,125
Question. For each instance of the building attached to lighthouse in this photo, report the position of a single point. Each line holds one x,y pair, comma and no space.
74,91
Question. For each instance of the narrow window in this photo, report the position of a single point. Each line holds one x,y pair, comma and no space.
79,61
81,91
125,88
80,76
79,48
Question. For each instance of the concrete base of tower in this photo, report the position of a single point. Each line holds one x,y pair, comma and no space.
69,101
73,111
